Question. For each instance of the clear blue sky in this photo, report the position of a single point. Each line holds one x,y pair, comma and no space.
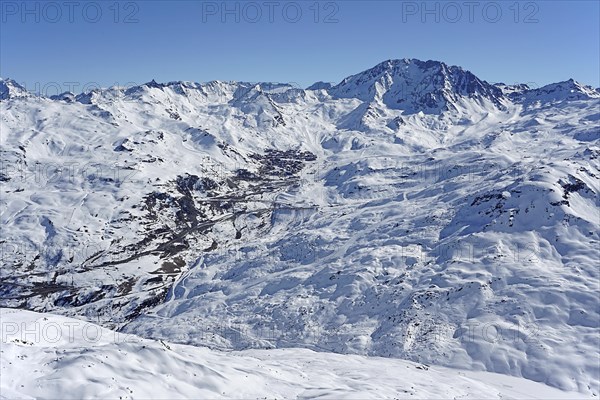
537,42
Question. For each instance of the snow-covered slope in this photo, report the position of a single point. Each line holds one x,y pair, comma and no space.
557,92
418,86
411,211
47,356
11,89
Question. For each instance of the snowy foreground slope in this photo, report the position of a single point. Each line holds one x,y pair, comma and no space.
48,356
412,211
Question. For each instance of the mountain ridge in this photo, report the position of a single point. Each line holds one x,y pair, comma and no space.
436,91
263,215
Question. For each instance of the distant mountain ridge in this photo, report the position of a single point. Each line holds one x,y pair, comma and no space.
410,85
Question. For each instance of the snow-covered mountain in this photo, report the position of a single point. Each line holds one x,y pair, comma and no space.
558,92
411,211
44,354
11,89
419,86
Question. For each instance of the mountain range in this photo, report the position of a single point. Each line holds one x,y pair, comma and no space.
413,211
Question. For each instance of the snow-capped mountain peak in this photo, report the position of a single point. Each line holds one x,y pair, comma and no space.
320,85
413,85
569,90
11,89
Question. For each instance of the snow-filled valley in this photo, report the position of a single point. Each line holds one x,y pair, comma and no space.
317,241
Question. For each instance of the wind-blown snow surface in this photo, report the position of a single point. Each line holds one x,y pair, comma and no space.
42,355
412,211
